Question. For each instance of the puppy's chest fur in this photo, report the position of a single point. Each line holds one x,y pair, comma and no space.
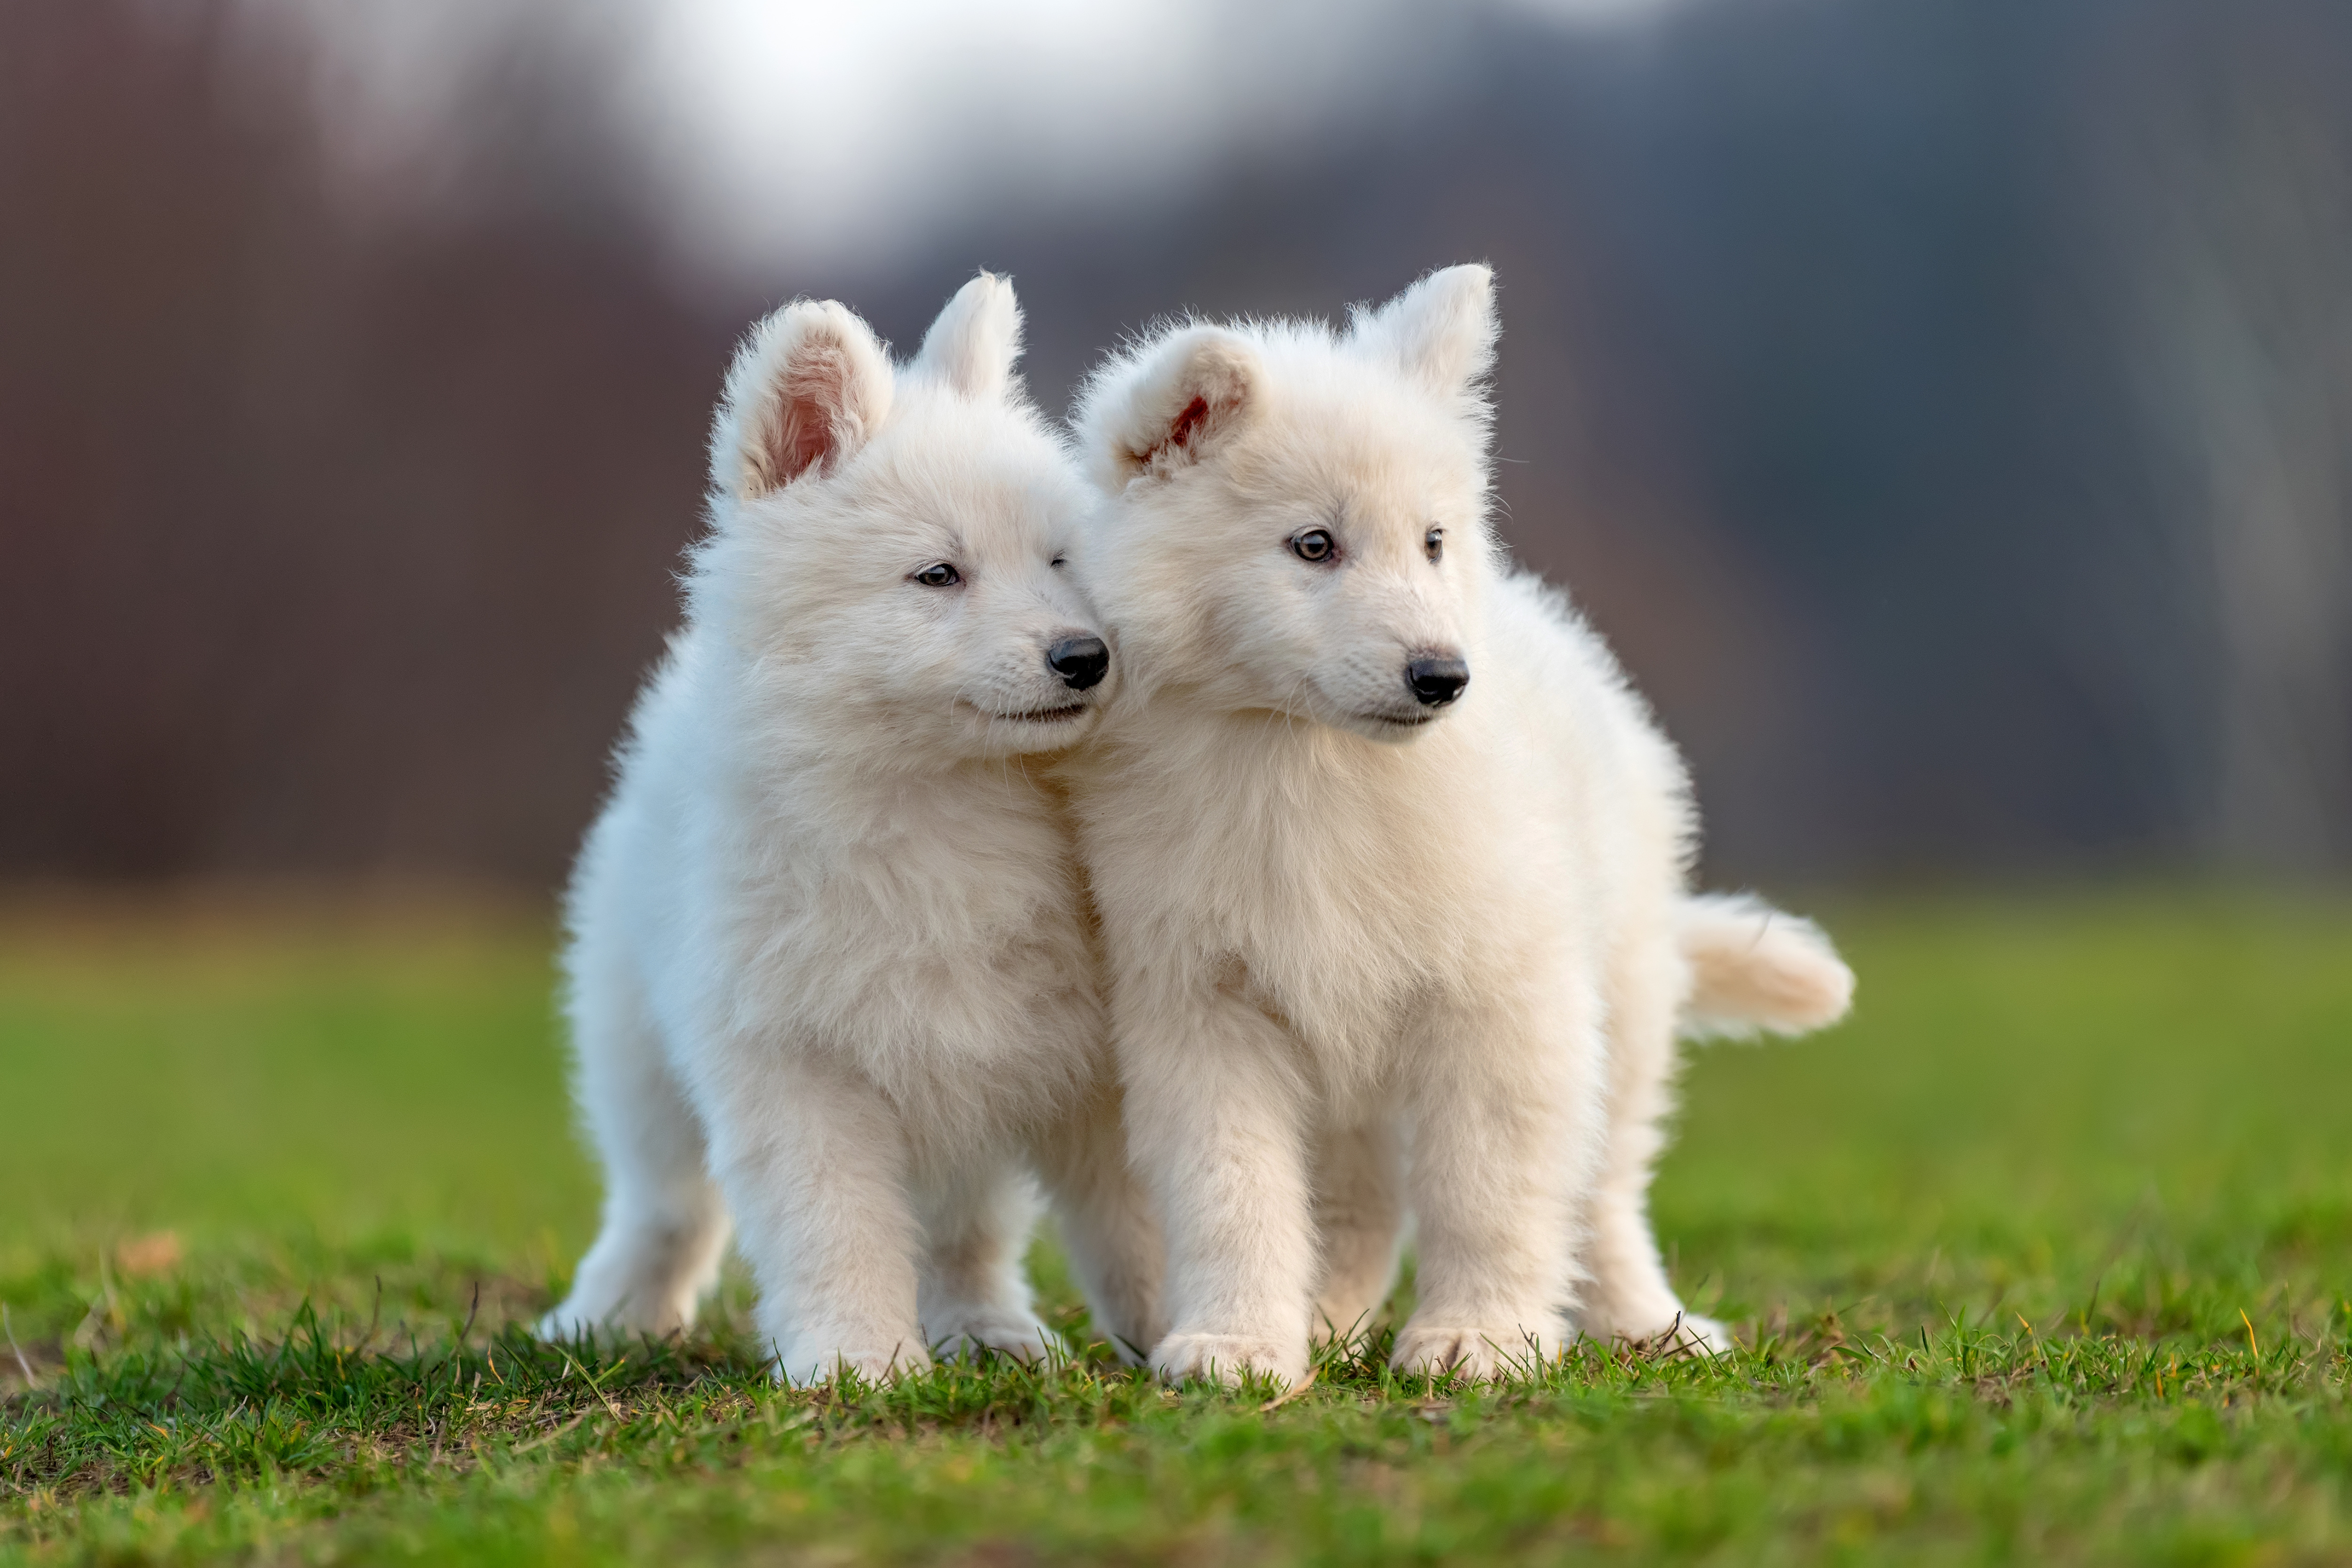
1329,884
932,933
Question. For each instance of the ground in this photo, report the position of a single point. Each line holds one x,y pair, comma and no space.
2044,1256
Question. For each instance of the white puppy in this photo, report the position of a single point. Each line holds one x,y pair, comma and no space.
829,954
1390,859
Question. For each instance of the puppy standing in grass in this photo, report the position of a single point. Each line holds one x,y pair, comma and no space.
1390,859
829,967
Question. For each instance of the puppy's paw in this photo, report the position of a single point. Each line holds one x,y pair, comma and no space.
1489,1353
592,1317
566,1323
1690,1334
1668,1329
1008,1332
807,1371
1227,1358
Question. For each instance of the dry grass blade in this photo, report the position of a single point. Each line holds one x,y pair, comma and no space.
1292,1392
592,1388
551,1434
22,1365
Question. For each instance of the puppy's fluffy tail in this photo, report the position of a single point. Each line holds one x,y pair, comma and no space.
1754,967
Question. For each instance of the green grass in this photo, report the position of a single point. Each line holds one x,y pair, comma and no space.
2046,1256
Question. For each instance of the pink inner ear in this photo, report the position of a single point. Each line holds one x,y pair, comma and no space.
805,438
807,406
1189,421
1180,435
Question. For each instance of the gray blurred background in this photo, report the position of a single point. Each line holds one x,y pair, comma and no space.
1944,405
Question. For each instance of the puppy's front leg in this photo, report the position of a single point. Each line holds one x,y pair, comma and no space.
813,1162
1504,1106
1214,1121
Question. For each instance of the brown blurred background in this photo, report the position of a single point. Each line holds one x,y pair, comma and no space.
1944,405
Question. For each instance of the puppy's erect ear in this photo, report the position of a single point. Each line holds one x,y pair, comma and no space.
972,345
809,387
1169,406
1442,329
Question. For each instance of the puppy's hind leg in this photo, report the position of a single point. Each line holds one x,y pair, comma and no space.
1629,1296
972,1290
1108,1226
1360,1219
664,1225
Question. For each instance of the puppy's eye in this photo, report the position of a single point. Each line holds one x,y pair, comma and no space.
1313,544
938,574
1432,543
1060,560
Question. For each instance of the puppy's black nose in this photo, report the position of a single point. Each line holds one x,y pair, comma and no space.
1436,682
1081,662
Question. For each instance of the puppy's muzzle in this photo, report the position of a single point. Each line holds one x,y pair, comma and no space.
1435,679
1080,661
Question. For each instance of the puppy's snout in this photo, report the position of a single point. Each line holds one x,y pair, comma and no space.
1436,679
1081,662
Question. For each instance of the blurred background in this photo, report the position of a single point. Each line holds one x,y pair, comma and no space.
1944,405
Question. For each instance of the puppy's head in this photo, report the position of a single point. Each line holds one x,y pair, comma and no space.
1298,518
889,544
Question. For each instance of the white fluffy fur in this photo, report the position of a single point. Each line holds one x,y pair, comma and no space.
1361,964
830,965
